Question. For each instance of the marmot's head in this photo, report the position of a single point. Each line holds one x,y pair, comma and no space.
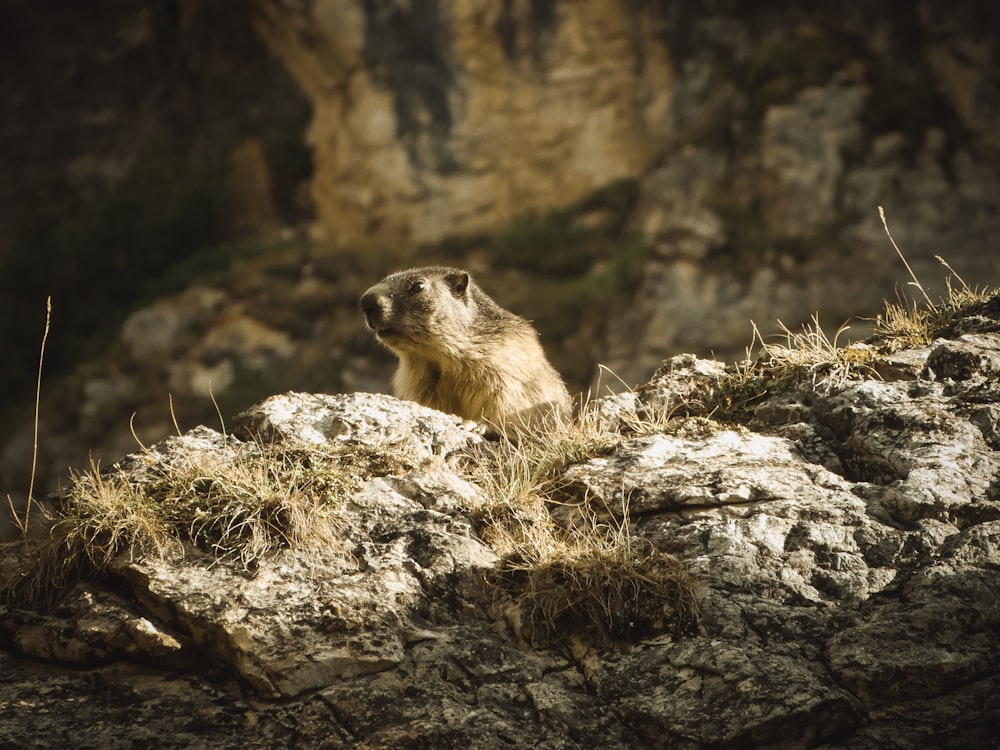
423,309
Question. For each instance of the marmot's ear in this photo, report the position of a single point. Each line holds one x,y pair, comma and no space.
458,282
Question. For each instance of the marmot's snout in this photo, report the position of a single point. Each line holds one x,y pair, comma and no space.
371,306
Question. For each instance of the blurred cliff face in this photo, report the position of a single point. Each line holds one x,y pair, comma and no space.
638,178
437,119
755,146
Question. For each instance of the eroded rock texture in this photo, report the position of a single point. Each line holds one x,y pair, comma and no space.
848,542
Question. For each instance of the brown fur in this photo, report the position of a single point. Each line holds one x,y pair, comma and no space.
460,352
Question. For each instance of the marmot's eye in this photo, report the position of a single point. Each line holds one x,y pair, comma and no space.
417,286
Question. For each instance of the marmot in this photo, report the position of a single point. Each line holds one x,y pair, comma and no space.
460,352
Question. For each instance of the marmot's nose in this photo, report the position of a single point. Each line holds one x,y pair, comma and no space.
371,308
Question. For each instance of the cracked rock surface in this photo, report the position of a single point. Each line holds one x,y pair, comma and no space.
848,541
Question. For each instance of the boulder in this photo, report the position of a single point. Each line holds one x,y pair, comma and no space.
846,540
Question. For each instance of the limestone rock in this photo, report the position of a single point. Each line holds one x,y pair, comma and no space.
847,541
366,418
729,469
93,626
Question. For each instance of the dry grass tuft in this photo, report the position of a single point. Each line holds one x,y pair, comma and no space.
811,357
251,506
519,472
594,579
104,514
242,503
904,324
808,356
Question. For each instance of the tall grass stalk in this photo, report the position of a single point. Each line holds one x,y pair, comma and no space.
916,281
22,523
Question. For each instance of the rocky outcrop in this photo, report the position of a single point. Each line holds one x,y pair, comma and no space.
846,539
